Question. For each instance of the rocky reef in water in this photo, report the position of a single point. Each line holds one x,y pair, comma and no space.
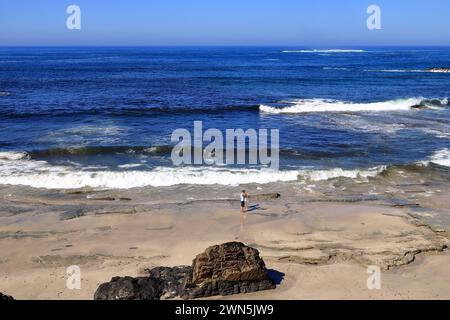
226,269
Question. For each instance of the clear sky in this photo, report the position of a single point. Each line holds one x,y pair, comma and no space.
224,22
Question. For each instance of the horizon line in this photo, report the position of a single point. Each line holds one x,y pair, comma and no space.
225,45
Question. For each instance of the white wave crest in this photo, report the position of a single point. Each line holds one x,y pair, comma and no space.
13,155
397,70
439,70
443,133
40,174
335,68
325,51
321,175
321,105
130,165
441,157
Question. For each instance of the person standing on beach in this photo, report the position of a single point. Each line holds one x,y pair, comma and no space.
243,201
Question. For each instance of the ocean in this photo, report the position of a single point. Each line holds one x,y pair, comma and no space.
103,117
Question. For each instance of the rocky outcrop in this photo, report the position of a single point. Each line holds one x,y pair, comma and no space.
439,70
172,280
128,288
265,196
231,261
4,297
225,269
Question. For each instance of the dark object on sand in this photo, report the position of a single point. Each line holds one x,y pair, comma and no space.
172,280
229,268
226,269
128,288
266,196
4,297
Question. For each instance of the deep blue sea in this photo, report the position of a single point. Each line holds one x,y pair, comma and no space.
103,117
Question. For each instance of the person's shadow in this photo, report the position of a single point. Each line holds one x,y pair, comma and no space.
253,207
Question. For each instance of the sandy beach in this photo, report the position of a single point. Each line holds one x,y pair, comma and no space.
322,244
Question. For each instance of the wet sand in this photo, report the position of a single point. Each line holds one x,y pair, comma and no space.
322,245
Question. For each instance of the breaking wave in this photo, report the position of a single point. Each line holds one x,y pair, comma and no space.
326,51
441,157
157,150
18,168
397,70
99,150
21,170
13,155
323,105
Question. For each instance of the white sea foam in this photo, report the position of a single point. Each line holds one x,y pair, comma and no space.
326,51
335,68
321,105
40,174
321,175
396,70
130,165
13,155
102,134
356,122
441,157
439,70
439,132
409,70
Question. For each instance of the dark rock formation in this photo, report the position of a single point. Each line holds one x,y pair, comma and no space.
225,288
72,214
266,196
231,261
128,288
225,269
172,279
4,297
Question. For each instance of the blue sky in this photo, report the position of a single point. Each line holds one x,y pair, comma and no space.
224,22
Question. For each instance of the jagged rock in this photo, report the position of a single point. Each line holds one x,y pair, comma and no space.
4,297
172,279
128,288
231,261
225,269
